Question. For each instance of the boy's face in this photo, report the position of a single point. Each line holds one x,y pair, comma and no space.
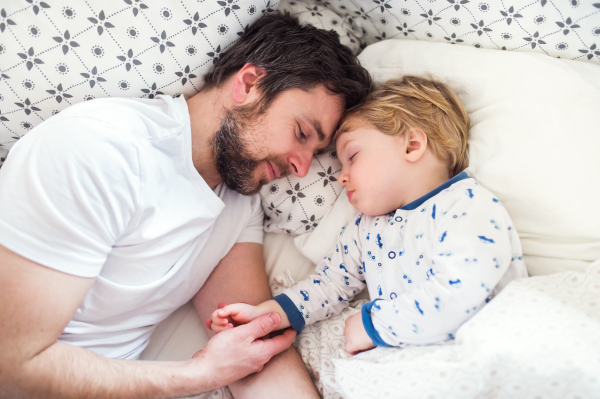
372,169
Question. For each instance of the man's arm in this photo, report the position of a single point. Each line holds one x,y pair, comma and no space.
37,303
241,277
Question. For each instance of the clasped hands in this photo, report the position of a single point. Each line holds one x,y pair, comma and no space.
230,316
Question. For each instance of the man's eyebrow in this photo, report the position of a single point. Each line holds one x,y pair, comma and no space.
317,126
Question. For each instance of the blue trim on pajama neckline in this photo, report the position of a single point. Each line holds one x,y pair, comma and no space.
368,324
417,203
294,316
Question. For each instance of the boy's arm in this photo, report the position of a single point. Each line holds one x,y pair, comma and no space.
242,313
468,257
338,278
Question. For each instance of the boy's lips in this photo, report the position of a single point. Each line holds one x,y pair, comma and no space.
349,194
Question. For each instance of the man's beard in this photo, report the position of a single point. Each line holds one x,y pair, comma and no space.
235,163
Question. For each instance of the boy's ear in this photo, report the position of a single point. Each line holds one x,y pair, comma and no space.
415,145
244,84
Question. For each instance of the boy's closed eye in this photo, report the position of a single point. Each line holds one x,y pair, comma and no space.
351,151
348,150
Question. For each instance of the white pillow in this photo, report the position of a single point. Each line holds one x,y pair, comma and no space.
295,205
534,139
316,245
57,53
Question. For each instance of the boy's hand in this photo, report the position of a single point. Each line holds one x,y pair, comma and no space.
229,316
355,335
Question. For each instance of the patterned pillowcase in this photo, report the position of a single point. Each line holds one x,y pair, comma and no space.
558,28
296,205
311,12
55,53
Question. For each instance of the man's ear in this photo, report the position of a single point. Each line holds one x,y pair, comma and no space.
244,83
415,145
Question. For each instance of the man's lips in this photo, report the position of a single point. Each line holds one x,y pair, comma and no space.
272,171
349,194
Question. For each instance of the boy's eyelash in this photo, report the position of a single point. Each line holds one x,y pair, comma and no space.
350,159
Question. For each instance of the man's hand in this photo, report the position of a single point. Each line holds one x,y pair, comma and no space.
355,335
241,277
237,352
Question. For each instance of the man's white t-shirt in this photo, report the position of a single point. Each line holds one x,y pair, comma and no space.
107,189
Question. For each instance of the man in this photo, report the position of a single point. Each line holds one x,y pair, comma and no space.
116,211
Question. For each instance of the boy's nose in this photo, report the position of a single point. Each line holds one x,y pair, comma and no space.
343,179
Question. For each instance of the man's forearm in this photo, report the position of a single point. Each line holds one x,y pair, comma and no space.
241,277
65,371
36,303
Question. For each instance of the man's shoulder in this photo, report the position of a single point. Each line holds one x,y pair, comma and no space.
79,143
133,117
109,127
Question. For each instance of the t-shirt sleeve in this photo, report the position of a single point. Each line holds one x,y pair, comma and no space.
253,232
68,190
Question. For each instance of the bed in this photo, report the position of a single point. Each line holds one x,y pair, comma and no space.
529,75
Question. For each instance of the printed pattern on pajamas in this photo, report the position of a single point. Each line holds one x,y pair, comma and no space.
429,266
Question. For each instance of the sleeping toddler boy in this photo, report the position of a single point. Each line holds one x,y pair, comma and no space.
430,244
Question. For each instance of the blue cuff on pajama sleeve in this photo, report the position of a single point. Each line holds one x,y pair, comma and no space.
368,324
294,316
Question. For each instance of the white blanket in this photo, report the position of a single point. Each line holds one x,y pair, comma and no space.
539,338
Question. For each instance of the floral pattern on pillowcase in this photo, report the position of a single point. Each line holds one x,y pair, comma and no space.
55,53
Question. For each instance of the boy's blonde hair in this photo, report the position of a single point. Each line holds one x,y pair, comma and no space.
413,102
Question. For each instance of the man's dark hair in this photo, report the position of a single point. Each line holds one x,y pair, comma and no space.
294,56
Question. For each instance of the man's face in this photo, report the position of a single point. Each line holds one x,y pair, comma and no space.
251,149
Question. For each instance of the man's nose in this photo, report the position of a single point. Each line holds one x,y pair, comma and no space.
300,163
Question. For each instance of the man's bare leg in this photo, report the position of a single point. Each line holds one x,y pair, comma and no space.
284,376
241,277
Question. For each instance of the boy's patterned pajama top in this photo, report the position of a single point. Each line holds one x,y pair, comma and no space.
429,266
